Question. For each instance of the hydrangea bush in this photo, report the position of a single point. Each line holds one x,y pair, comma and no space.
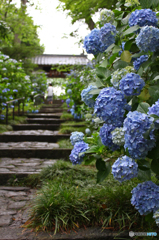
126,109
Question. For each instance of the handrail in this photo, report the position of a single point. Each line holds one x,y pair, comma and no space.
12,101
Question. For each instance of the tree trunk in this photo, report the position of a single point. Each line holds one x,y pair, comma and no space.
90,23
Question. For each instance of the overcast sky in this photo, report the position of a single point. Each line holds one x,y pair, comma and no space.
54,25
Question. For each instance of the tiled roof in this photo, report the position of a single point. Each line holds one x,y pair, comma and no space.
51,59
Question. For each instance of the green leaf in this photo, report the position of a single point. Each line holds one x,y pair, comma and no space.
143,165
98,83
120,64
128,44
113,57
104,63
101,175
100,165
154,116
89,160
155,166
149,218
143,107
126,56
131,30
140,71
156,78
95,91
145,3
101,72
126,19
98,120
144,175
92,149
116,49
110,47
154,153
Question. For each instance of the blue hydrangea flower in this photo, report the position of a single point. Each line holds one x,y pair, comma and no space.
139,61
118,136
156,217
106,16
131,84
108,33
87,131
76,137
124,169
154,109
68,100
147,40
110,106
79,147
106,136
93,43
86,97
69,91
119,74
143,17
145,197
136,125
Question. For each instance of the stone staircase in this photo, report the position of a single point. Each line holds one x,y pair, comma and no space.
25,151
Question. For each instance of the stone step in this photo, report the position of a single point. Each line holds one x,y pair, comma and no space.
45,120
35,126
44,115
33,136
52,106
21,167
51,110
44,153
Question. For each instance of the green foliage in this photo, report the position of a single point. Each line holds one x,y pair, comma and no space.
66,116
69,129
65,143
70,199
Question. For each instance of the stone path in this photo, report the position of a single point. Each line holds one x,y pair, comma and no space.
14,201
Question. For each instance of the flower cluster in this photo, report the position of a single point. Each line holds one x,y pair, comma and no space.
136,125
108,33
119,74
154,109
87,131
106,136
87,97
139,61
118,136
147,40
93,43
106,16
124,169
110,106
76,137
79,147
69,91
145,197
131,84
156,217
68,100
143,17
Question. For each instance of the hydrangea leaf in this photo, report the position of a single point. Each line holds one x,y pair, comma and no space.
144,175
131,30
126,19
155,166
156,78
154,153
149,218
145,3
101,175
144,95
102,72
126,56
143,165
110,47
95,91
128,44
104,63
116,49
120,64
99,83
100,165
143,107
